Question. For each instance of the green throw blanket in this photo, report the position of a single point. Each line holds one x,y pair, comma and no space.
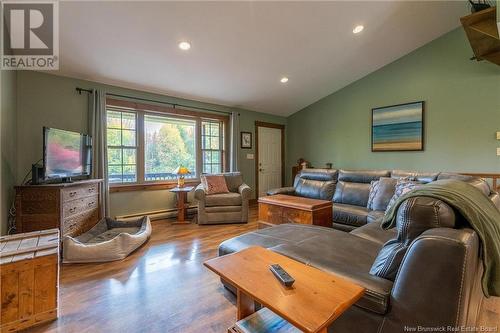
482,215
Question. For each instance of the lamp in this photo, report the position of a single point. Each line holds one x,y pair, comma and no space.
181,172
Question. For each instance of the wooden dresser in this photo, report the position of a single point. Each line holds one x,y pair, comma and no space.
73,208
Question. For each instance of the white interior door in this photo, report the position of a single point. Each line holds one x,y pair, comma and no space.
269,162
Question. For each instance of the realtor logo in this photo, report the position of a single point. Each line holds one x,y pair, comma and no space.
30,39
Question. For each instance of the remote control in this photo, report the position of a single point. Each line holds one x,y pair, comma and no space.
282,275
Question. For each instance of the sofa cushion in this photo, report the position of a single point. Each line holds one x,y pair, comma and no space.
223,199
315,189
333,253
374,232
269,237
352,193
343,227
381,192
481,185
414,216
495,197
315,183
421,177
318,174
451,175
375,215
362,176
233,180
222,209
324,248
477,182
350,214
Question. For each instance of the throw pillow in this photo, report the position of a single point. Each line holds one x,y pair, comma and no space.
214,184
374,187
403,186
233,181
381,192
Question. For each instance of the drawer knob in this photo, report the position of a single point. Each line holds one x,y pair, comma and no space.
72,210
91,189
91,203
72,194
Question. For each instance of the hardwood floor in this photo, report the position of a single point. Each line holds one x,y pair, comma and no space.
162,287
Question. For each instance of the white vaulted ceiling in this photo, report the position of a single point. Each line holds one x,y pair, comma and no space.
241,50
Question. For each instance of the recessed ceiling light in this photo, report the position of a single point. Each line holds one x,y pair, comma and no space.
184,46
284,79
358,29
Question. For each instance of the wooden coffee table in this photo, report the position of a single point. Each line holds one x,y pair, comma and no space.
280,208
314,301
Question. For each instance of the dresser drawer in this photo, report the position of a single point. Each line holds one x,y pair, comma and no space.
73,193
78,224
77,206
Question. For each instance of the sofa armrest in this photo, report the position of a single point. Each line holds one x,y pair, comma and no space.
245,191
199,193
441,265
282,190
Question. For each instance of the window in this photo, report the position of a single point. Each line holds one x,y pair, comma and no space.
122,146
211,146
147,143
168,143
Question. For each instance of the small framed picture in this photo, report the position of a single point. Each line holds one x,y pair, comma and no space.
246,140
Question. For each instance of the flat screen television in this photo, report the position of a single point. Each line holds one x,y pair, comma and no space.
65,155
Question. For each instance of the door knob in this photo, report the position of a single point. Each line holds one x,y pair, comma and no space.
260,169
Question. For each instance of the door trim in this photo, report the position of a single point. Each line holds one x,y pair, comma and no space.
268,125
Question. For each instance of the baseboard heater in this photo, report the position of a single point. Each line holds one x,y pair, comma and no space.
160,214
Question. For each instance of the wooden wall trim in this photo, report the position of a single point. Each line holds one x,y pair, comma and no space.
268,125
145,107
163,109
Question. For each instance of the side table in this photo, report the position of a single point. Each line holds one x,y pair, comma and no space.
181,203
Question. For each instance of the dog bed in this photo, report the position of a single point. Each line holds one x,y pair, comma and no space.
108,240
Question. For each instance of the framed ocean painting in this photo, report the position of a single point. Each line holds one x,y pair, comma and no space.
398,127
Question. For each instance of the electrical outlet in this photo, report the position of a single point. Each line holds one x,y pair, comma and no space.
498,135
498,151
249,156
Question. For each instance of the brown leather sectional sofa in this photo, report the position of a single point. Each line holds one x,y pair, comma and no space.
423,273
349,190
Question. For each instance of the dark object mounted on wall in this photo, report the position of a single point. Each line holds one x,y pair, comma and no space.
477,6
482,31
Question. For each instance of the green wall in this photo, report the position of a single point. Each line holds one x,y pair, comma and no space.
49,100
461,117
7,144
462,113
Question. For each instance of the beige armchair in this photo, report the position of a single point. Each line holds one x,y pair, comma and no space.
229,207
